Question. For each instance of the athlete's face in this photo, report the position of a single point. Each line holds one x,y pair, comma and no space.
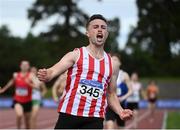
24,66
97,32
116,59
34,70
134,77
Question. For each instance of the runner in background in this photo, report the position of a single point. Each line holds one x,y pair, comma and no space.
38,92
123,90
22,103
152,96
59,86
134,99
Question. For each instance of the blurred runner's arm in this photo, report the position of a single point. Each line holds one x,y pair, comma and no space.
128,83
9,84
43,89
66,62
55,89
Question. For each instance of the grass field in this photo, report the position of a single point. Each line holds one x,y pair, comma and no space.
173,120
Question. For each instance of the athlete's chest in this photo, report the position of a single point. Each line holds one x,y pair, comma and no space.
93,67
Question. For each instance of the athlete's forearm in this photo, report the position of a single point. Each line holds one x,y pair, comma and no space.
113,103
8,85
50,74
63,65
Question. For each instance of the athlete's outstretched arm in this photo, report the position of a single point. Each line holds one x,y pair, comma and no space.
112,98
8,85
128,83
66,62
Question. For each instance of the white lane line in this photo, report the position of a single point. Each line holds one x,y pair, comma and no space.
164,120
139,119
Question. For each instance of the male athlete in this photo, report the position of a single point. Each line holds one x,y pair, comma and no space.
91,76
123,91
23,94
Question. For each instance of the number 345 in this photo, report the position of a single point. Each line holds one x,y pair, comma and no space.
91,91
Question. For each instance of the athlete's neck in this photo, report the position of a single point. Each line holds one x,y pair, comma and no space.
96,51
24,72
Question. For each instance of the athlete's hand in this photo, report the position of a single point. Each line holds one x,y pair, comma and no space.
42,75
126,114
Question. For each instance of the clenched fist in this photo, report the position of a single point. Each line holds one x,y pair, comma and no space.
126,114
43,75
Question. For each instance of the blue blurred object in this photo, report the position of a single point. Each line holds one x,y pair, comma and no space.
49,103
5,102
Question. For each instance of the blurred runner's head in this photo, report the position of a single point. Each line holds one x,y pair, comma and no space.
34,70
152,82
24,66
116,57
134,76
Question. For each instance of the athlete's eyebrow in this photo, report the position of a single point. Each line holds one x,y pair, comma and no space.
102,26
95,25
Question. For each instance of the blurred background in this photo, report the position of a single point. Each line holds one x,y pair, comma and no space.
145,33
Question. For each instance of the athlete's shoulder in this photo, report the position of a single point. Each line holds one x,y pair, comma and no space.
76,53
126,76
15,74
72,55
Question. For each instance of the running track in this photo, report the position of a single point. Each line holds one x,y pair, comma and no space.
47,118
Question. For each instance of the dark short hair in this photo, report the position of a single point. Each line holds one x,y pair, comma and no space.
96,16
115,54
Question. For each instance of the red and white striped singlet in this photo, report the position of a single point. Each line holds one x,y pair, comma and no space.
86,86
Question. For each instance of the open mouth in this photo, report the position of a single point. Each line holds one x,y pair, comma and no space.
99,36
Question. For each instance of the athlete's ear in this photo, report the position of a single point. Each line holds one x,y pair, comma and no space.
87,33
107,34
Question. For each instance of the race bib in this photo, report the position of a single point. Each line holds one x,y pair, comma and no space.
36,94
89,88
21,92
136,95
